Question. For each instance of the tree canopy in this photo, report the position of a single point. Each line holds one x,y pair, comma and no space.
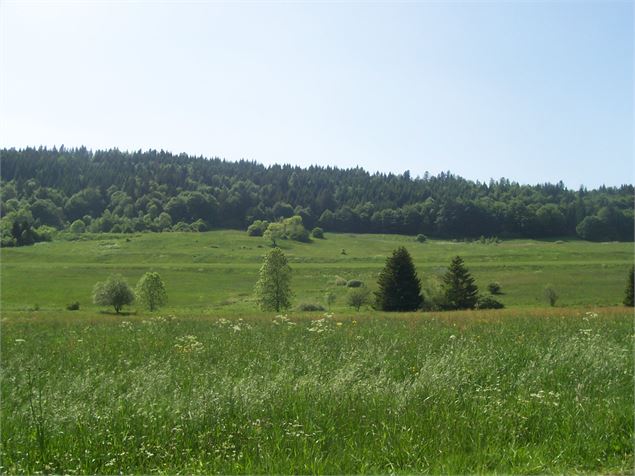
273,289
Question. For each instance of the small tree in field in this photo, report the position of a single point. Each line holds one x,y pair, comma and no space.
358,297
273,291
399,286
151,291
115,292
628,298
460,290
551,295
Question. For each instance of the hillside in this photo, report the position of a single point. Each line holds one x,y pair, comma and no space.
115,191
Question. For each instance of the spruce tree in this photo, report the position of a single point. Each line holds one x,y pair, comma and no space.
273,290
399,286
628,299
459,287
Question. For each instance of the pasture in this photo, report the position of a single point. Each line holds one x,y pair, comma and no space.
210,384
216,271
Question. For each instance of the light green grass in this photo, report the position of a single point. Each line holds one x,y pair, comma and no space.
515,391
216,271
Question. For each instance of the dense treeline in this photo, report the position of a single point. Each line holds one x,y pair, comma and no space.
115,191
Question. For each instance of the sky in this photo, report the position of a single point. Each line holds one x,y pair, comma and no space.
532,91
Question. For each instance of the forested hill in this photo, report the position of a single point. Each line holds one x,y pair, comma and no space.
110,190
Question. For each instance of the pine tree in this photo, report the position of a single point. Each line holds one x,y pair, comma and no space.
459,287
628,299
399,286
273,291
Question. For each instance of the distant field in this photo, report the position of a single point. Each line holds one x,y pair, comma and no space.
216,271
532,391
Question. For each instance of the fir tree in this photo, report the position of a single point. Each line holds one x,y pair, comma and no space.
399,286
273,291
459,287
628,299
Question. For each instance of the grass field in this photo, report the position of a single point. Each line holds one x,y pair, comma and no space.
212,385
216,271
534,391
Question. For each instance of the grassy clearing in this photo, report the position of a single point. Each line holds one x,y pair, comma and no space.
533,391
216,271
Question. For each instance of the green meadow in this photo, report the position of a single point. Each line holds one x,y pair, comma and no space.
216,271
211,385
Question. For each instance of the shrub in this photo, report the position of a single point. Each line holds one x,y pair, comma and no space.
310,307
257,228
422,238
329,299
354,283
317,232
488,302
551,295
78,226
358,297
494,288
628,298
339,281
113,292
74,306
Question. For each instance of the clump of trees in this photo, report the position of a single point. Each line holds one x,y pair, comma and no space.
286,229
273,289
399,285
116,292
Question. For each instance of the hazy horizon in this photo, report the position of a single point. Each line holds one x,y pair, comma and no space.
533,92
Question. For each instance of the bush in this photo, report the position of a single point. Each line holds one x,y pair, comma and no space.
317,232
329,299
422,238
358,297
74,306
551,295
310,307
488,302
78,226
339,281
354,283
628,294
494,288
257,228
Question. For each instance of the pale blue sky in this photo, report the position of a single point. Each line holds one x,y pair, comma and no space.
532,91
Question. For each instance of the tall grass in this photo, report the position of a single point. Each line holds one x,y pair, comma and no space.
540,392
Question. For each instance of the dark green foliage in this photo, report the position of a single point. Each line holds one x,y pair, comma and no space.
550,295
628,298
317,232
494,288
399,286
354,283
421,238
74,306
488,302
310,307
121,191
459,287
